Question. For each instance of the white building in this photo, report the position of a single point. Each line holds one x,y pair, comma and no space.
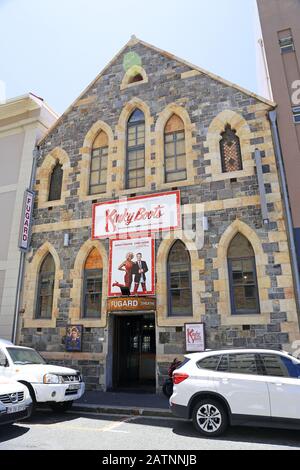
23,121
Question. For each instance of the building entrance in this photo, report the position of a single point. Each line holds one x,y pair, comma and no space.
134,352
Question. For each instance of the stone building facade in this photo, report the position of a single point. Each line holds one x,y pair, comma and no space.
160,86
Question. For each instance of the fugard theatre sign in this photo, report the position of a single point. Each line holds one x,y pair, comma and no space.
136,215
25,229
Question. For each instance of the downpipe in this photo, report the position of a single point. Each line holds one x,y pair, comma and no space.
287,209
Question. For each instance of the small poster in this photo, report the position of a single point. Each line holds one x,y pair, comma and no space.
194,337
74,338
131,267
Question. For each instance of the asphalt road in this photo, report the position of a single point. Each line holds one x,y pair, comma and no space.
100,432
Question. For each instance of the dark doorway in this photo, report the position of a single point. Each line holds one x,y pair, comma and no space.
134,352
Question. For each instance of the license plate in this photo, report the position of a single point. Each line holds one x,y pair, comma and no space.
15,409
74,387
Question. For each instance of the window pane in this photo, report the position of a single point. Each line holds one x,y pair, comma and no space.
242,364
209,363
95,164
56,183
169,150
180,147
92,293
181,163
274,366
179,280
170,164
224,364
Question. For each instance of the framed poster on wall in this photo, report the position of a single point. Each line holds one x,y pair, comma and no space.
131,267
74,338
194,337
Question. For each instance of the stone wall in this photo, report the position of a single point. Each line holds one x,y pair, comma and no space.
230,201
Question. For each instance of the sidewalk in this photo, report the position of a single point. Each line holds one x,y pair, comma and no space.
143,404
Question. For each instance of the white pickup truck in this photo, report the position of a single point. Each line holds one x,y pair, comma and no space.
55,385
15,401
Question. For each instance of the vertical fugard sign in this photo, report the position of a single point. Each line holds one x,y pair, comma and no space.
25,229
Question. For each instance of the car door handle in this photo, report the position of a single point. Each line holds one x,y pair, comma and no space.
225,381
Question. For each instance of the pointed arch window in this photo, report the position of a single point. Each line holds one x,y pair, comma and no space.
135,166
175,157
230,147
99,158
242,277
56,183
179,281
92,298
46,288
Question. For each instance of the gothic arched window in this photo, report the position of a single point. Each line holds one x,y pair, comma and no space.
179,281
45,288
56,183
98,172
92,289
135,161
230,151
242,276
175,157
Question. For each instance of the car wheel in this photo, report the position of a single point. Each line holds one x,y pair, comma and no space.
168,388
61,407
210,417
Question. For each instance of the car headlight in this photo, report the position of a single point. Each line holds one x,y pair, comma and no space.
52,379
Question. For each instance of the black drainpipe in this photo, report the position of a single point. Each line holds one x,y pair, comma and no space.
287,209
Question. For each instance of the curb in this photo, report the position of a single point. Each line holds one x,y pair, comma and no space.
123,410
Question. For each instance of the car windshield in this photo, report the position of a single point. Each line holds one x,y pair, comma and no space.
24,356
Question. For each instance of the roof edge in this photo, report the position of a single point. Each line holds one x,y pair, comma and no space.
133,41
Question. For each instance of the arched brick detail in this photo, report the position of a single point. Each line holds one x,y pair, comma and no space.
213,138
121,150
43,176
161,122
86,152
222,284
77,275
132,72
161,281
31,286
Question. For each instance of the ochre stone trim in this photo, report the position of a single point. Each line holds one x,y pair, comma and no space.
162,120
85,162
76,293
217,126
43,176
264,283
31,285
121,130
197,266
132,72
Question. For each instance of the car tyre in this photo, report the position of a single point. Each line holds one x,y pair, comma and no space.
210,417
61,407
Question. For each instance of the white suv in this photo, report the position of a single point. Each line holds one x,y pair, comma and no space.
237,387
58,386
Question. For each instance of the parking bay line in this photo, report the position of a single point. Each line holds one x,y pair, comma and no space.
109,428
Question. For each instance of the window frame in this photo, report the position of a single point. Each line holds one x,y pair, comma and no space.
222,149
190,288
175,156
100,157
296,114
234,310
85,293
285,46
51,189
48,274
135,148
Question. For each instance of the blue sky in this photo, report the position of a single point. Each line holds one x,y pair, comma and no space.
54,48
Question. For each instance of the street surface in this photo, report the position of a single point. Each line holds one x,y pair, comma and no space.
49,431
